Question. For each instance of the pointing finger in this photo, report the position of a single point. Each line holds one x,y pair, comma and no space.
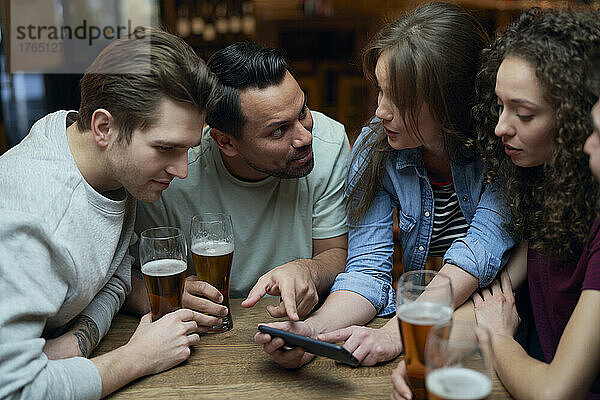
256,293
288,297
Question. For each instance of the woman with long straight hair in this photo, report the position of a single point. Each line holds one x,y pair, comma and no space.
417,155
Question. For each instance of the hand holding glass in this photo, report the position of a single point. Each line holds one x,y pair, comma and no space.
212,252
424,300
458,363
163,255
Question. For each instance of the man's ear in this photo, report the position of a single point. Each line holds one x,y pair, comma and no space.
225,142
103,127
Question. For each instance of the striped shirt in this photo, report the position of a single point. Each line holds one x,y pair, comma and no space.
449,222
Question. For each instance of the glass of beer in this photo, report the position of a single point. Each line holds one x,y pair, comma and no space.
458,364
212,252
424,299
163,255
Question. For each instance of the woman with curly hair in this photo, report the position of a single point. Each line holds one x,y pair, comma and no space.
417,156
533,89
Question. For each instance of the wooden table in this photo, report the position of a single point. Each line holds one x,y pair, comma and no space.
231,366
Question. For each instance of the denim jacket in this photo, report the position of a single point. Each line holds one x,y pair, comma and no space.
482,252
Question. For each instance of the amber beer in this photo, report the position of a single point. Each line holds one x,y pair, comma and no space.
212,261
455,383
416,320
164,283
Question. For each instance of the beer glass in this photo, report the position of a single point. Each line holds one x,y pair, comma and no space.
212,253
163,255
424,299
458,364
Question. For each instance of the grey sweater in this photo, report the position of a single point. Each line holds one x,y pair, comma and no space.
63,252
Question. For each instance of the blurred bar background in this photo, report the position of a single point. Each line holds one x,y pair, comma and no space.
322,39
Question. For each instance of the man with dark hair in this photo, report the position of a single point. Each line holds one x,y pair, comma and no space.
279,170
67,200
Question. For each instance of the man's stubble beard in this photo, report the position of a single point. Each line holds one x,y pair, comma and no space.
287,172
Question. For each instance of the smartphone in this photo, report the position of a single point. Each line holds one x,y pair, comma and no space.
329,350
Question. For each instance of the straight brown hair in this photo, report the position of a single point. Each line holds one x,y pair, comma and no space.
159,65
433,59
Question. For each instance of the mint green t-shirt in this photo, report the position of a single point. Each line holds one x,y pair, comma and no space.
274,220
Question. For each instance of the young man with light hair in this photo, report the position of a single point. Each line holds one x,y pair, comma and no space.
67,200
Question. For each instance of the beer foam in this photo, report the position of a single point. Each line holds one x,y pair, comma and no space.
424,313
455,383
212,248
164,267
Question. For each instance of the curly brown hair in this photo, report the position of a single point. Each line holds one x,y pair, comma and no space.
433,59
553,205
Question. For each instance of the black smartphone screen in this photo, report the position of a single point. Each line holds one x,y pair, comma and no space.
329,350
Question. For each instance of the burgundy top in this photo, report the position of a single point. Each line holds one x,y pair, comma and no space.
555,287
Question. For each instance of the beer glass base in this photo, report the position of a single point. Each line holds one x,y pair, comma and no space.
225,326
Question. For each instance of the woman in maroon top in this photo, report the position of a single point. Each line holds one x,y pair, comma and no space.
534,91
533,120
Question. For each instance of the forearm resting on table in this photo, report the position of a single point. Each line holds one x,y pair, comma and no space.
392,326
463,283
79,340
118,368
516,268
523,376
342,308
325,266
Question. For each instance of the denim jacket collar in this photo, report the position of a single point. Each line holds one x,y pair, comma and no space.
406,158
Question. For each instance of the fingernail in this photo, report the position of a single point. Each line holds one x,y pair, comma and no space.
225,312
219,321
220,298
407,395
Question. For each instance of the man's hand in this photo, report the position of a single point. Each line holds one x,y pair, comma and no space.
164,343
495,307
294,283
291,359
205,299
369,346
153,347
79,340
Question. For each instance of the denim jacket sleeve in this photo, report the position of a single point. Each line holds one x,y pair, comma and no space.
484,250
370,249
